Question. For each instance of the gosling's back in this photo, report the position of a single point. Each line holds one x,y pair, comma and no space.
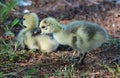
89,35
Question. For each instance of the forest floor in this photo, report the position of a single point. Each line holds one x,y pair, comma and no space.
98,63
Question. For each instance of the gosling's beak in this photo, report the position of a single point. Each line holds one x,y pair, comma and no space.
21,22
36,31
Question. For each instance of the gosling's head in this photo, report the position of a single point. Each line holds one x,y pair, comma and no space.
49,25
30,20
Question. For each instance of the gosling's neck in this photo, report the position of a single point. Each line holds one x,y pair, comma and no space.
60,27
27,29
60,31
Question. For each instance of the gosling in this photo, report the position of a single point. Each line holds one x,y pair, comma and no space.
80,35
26,37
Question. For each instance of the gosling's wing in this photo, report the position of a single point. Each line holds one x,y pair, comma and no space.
30,41
46,43
20,39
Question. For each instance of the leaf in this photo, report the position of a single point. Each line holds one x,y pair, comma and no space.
46,76
9,33
1,74
31,71
118,68
15,21
7,7
27,76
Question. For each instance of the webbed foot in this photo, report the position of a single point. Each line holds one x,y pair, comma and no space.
76,61
116,58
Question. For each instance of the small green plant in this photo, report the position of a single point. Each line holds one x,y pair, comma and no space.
31,71
8,55
27,76
7,7
115,72
1,74
66,72
8,28
117,69
46,76
111,70
84,74
115,42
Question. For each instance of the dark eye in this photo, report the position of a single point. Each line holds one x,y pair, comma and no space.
45,22
43,27
23,19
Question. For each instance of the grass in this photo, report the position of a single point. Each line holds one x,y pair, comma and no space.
7,7
29,64
24,64
114,71
66,71
9,57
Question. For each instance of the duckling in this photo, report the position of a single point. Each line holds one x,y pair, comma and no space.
82,36
26,37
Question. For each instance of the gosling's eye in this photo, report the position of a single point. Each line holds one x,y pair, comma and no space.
45,22
43,27
23,19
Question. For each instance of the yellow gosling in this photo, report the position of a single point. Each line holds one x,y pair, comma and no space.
80,35
26,37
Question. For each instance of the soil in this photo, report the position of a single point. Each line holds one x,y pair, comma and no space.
106,14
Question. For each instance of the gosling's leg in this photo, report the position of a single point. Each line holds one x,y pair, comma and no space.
19,46
82,58
73,58
116,58
79,59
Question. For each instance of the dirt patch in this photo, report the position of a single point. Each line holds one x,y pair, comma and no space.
106,14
